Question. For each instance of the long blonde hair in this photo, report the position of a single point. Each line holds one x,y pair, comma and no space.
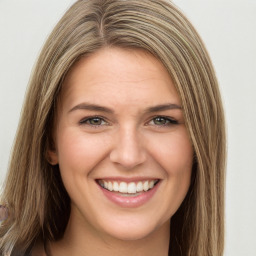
34,194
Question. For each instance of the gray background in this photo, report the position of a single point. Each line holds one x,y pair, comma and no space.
228,30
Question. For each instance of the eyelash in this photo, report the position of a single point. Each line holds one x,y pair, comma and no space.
168,121
86,121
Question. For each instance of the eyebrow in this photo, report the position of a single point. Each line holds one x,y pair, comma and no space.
94,107
162,107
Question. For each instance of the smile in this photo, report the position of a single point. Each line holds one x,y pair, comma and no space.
128,188
129,193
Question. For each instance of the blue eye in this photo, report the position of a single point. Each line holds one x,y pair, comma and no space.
162,121
93,121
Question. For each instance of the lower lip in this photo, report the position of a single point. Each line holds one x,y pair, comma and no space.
130,201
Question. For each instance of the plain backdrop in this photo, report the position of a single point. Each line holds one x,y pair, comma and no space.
228,28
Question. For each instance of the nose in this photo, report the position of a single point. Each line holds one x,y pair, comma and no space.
128,150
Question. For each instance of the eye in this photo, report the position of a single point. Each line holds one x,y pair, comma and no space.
162,121
94,121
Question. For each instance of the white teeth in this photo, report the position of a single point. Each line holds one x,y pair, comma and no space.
123,187
151,184
110,187
145,186
139,186
128,188
115,186
131,188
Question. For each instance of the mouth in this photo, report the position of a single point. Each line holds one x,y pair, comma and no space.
128,194
128,189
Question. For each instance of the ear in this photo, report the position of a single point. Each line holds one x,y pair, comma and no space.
52,157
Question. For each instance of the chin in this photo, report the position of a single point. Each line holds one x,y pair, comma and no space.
131,230
130,234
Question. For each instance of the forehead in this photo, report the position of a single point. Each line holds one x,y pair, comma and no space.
114,74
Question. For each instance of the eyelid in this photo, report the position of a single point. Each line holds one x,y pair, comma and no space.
172,121
85,119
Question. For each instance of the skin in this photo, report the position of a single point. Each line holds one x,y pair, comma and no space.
128,141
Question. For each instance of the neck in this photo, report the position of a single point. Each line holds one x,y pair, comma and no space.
84,240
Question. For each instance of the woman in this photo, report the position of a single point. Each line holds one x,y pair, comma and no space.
121,145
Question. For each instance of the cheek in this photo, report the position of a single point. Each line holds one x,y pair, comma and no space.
178,164
175,156
78,152
174,153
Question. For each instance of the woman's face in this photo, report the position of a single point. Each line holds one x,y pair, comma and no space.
123,150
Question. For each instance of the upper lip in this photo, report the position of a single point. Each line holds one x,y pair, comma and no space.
128,179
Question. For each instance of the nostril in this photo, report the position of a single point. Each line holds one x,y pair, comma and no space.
127,161
127,158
